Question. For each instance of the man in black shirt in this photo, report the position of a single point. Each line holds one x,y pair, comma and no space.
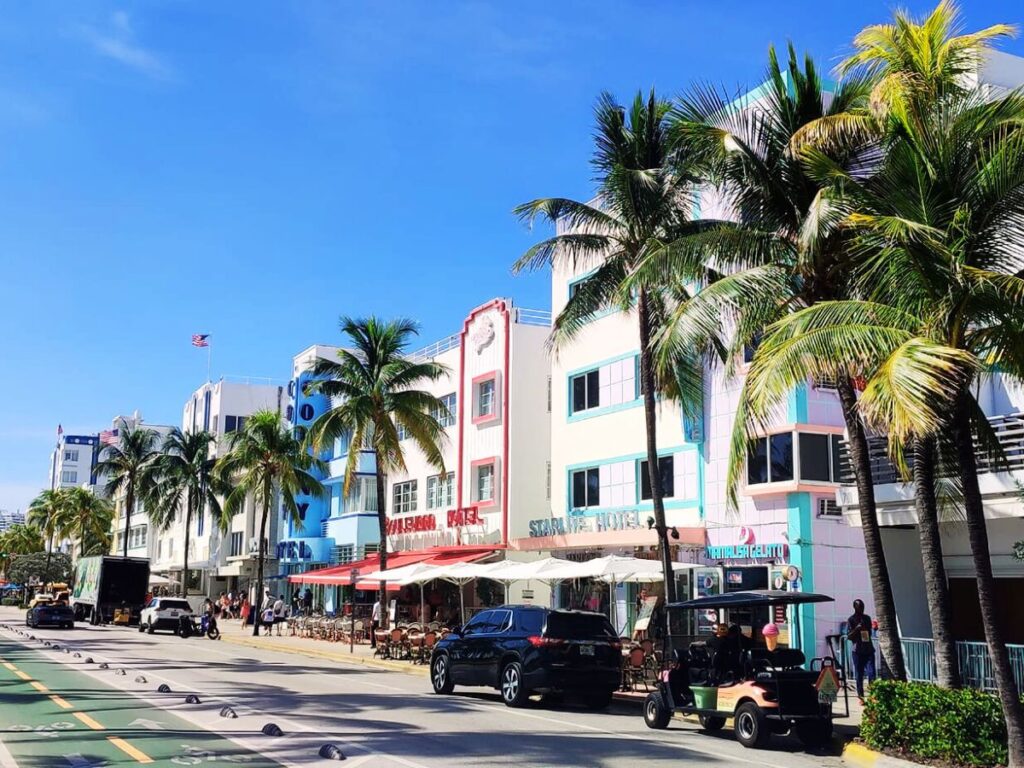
858,632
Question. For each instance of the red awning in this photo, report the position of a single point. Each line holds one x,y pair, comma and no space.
340,574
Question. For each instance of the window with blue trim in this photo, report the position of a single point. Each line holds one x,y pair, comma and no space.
667,469
613,383
586,488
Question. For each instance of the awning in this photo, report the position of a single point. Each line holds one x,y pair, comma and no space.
341,574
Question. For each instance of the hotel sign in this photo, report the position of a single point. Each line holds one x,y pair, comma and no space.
599,523
778,551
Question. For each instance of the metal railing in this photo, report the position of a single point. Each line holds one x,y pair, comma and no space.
433,350
1009,433
531,317
975,662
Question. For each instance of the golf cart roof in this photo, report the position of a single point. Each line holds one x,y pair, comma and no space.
752,599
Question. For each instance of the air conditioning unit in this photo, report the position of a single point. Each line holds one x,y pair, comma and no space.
829,508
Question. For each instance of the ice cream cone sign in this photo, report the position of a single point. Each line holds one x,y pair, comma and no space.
770,633
827,684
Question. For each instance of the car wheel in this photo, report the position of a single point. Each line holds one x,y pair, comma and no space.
441,675
598,700
149,628
28,619
712,723
656,713
142,626
814,733
751,726
513,688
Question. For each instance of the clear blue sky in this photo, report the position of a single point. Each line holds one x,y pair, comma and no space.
254,169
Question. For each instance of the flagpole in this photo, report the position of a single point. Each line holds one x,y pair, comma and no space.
209,354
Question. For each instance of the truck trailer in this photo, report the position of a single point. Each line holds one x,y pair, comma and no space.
105,584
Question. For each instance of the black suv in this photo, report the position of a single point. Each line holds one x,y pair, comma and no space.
526,649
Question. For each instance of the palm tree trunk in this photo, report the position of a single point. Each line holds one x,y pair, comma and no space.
49,552
258,601
653,472
977,531
129,502
881,586
382,525
184,567
940,608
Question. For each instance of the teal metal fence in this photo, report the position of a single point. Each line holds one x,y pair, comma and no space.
975,664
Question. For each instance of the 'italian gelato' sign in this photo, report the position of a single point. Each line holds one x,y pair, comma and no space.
747,551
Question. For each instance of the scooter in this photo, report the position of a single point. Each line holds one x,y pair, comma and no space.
206,625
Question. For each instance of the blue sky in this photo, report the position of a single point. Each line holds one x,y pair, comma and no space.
254,169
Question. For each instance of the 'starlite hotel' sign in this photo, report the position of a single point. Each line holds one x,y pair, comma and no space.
601,522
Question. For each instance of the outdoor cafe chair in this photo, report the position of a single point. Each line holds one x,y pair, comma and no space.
434,626
358,629
636,669
415,641
397,643
382,650
427,646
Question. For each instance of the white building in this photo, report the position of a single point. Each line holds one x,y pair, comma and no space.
7,519
72,461
496,453
221,408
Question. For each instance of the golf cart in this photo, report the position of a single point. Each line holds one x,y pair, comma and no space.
764,688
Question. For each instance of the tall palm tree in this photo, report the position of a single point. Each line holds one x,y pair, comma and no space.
44,512
266,461
24,539
375,386
86,518
185,479
640,211
128,467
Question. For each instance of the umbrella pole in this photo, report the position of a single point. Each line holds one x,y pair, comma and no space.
462,603
421,606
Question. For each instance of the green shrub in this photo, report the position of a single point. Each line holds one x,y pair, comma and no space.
11,601
962,726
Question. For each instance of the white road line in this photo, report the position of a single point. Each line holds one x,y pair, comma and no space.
6,758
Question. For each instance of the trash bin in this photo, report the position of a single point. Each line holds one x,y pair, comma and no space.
705,698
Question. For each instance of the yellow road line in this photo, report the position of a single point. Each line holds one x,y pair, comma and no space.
22,675
39,687
60,702
129,750
10,666
88,721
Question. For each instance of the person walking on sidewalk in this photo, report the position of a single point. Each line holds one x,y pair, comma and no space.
243,611
858,632
374,623
279,613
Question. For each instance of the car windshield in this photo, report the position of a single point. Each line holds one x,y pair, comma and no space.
178,605
578,626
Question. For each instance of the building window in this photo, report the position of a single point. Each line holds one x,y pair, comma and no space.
666,468
750,349
586,391
237,539
69,476
137,536
770,459
445,416
485,483
404,497
234,424
485,404
439,491
586,488
71,455
403,433
345,554
819,457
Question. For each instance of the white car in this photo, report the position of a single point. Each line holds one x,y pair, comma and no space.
163,613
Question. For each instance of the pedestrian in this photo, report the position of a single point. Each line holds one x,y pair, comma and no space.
279,613
858,632
374,623
307,601
244,610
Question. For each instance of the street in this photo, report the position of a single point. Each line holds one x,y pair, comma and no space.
378,718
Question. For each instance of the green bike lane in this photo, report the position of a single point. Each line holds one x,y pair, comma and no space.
52,716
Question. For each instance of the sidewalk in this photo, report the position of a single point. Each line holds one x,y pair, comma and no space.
847,727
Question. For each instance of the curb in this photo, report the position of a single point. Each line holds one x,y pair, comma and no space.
859,755
404,667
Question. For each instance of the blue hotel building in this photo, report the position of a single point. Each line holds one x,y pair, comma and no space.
332,529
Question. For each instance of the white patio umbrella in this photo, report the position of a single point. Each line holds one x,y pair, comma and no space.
407,574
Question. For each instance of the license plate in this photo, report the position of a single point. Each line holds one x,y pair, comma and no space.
586,650
174,614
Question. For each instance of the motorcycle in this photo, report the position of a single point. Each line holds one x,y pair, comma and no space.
193,625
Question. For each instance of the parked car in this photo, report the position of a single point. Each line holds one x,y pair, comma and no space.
525,649
50,613
163,613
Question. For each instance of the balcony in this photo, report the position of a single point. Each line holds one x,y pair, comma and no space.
1009,433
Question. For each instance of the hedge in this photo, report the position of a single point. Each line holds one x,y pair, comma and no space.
963,726
11,601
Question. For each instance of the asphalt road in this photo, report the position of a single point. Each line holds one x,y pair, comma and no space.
378,718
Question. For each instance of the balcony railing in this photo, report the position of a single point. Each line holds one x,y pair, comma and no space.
1009,434
531,317
435,349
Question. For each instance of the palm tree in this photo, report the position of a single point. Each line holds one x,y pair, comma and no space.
265,460
86,518
21,539
640,211
128,467
185,479
376,386
44,512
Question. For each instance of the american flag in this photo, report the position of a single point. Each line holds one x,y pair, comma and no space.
200,339
108,437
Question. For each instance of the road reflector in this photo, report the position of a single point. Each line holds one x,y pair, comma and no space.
88,721
130,750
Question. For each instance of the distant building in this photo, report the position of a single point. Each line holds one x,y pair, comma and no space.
73,461
7,519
